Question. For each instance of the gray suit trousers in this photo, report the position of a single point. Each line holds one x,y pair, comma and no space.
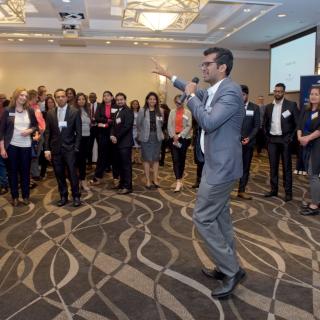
212,218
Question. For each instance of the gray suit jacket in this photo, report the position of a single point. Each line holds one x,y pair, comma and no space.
222,124
143,125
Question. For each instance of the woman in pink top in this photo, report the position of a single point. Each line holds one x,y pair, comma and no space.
38,139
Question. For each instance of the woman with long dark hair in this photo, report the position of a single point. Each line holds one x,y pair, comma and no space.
103,118
82,104
309,137
149,126
17,125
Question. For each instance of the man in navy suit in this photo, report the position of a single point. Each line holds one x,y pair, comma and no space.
250,128
62,141
280,125
219,111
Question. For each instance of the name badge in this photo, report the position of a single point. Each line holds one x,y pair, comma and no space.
159,118
114,110
315,116
286,114
62,124
118,120
185,117
249,113
12,114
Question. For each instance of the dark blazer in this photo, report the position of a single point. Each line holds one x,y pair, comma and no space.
122,128
251,123
288,125
100,115
7,124
314,145
69,138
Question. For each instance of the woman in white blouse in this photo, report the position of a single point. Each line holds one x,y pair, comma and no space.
17,124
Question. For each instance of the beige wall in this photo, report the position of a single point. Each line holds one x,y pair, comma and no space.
131,74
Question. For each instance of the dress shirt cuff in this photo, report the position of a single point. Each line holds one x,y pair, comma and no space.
173,79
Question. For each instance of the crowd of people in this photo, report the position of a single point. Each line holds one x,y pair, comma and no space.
38,129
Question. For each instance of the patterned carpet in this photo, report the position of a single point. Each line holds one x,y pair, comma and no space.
139,257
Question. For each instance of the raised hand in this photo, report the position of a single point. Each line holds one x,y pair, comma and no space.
158,69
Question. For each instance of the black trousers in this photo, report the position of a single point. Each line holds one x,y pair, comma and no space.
81,157
115,162
62,162
261,140
179,156
104,152
278,148
247,153
18,166
93,137
164,145
123,156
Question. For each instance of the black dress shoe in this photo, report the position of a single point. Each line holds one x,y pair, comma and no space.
62,202
288,197
310,211
228,285
271,194
213,273
76,202
125,191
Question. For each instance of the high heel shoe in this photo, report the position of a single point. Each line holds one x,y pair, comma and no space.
179,187
155,185
84,185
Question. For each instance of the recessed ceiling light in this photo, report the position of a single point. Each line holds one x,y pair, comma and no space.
136,43
281,15
20,40
246,10
50,40
108,42
146,43
11,40
221,28
66,1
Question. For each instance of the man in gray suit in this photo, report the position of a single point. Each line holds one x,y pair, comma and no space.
219,111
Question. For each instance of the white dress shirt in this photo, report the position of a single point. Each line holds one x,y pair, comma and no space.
275,128
61,115
211,92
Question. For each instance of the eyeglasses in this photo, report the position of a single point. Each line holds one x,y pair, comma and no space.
206,64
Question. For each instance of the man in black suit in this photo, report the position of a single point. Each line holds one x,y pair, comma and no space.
250,128
121,136
280,125
94,127
62,141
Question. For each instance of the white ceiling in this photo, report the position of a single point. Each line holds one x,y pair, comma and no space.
254,30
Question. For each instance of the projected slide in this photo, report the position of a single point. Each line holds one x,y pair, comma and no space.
291,60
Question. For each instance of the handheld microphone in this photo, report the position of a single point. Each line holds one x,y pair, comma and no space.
184,95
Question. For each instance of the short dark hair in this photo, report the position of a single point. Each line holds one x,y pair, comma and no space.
245,89
121,94
224,56
282,85
60,89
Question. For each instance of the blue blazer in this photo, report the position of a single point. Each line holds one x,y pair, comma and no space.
222,124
